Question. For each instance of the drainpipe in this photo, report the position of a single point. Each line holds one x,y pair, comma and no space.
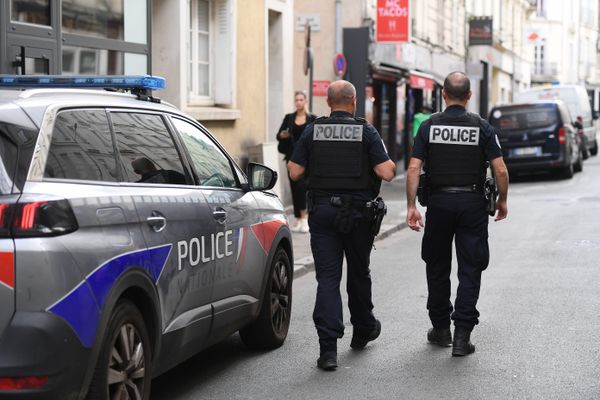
338,26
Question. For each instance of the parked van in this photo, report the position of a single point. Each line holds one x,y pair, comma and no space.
576,99
538,136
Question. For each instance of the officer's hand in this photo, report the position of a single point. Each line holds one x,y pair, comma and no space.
414,219
502,209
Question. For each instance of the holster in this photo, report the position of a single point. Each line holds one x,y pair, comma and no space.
376,210
491,195
344,220
423,190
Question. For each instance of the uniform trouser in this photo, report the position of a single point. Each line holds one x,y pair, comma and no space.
328,248
461,216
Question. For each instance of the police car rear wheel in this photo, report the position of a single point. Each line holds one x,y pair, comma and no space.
270,329
124,363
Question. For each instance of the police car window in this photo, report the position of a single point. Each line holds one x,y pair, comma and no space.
211,165
82,147
16,150
147,151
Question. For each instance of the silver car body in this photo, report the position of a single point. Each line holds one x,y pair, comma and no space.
201,273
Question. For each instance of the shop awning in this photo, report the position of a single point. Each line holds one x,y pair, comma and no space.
419,80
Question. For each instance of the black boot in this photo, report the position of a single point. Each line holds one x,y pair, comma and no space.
440,336
328,359
361,336
462,345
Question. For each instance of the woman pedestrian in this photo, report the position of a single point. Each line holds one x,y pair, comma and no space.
290,131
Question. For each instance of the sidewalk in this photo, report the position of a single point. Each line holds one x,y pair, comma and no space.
394,194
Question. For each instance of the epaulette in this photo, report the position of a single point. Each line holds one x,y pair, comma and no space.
361,120
433,117
322,117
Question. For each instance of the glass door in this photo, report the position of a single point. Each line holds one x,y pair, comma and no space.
26,60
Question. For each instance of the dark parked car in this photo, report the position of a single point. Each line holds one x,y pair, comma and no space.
538,137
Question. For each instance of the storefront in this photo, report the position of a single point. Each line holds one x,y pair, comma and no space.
91,37
384,106
393,96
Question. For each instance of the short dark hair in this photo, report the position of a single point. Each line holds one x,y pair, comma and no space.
457,85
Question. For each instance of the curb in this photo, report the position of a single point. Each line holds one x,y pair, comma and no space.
307,264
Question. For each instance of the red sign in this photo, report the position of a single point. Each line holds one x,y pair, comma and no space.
420,82
320,88
393,21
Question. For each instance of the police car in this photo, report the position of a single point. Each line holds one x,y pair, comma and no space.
129,240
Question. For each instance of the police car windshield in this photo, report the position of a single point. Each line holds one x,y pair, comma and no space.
524,117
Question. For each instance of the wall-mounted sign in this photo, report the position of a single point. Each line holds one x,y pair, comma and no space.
339,65
480,31
320,88
420,81
534,36
393,21
313,19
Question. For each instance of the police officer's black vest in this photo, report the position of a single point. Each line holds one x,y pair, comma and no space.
339,158
455,157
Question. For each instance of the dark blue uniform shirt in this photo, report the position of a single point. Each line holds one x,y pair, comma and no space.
488,142
377,151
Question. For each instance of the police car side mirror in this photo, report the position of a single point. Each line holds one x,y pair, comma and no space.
260,177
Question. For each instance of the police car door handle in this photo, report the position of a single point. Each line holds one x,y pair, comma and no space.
220,214
157,223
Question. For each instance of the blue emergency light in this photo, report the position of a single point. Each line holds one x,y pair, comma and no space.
131,82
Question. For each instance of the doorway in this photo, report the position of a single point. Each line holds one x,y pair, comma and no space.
276,100
384,114
30,60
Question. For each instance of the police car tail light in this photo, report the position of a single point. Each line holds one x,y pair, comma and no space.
562,135
43,218
23,382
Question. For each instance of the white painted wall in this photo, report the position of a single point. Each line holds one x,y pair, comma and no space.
280,68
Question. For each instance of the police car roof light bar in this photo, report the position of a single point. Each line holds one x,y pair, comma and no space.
135,83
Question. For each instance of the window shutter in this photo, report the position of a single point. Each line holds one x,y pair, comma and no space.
224,51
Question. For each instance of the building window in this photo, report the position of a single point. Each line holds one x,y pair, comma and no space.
109,19
88,61
210,51
102,19
99,37
540,67
541,8
199,50
31,11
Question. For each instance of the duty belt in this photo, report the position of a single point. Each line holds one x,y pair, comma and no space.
475,188
336,201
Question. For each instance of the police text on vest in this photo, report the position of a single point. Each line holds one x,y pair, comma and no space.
463,135
349,133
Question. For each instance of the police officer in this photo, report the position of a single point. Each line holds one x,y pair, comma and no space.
454,146
345,160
